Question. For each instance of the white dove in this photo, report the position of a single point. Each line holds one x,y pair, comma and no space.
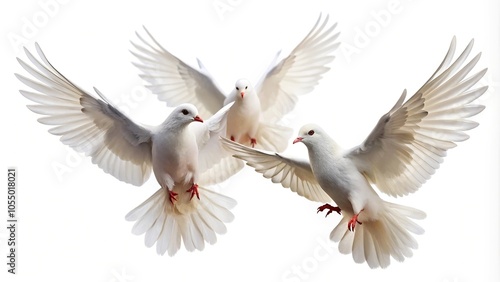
404,149
253,118
178,152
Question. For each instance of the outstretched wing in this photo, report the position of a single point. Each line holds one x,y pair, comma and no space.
174,81
298,73
215,164
89,125
291,173
409,142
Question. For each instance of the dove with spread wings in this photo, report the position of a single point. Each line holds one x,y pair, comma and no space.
182,151
401,153
254,116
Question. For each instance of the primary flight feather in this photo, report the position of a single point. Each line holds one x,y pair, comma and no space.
403,150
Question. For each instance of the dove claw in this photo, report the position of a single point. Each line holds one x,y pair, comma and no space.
253,142
172,197
352,223
330,209
194,191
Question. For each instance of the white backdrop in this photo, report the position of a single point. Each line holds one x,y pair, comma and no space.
71,214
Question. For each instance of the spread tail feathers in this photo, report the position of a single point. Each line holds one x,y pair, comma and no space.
377,240
193,220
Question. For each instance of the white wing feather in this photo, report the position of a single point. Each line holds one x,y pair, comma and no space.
298,73
89,125
215,164
409,142
291,173
174,81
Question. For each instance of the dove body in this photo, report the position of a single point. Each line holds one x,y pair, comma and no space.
243,118
339,177
174,154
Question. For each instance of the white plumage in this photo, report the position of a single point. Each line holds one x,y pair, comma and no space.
182,152
253,118
398,156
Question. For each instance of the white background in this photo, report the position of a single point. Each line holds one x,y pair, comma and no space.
71,219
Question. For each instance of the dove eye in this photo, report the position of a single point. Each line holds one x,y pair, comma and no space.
185,112
246,87
237,88
310,132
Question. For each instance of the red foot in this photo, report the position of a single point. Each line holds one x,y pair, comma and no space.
172,195
232,138
253,141
330,209
352,223
194,191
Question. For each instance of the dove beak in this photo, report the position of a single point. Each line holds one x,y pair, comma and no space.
242,95
298,139
197,118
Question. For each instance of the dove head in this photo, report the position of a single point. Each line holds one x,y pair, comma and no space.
317,140
309,134
184,114
242,87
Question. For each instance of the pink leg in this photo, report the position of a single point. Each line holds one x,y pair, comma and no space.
330,209
172,195
194,191
253,142
352,223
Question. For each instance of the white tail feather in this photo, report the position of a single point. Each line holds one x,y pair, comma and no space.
374,242
191,221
